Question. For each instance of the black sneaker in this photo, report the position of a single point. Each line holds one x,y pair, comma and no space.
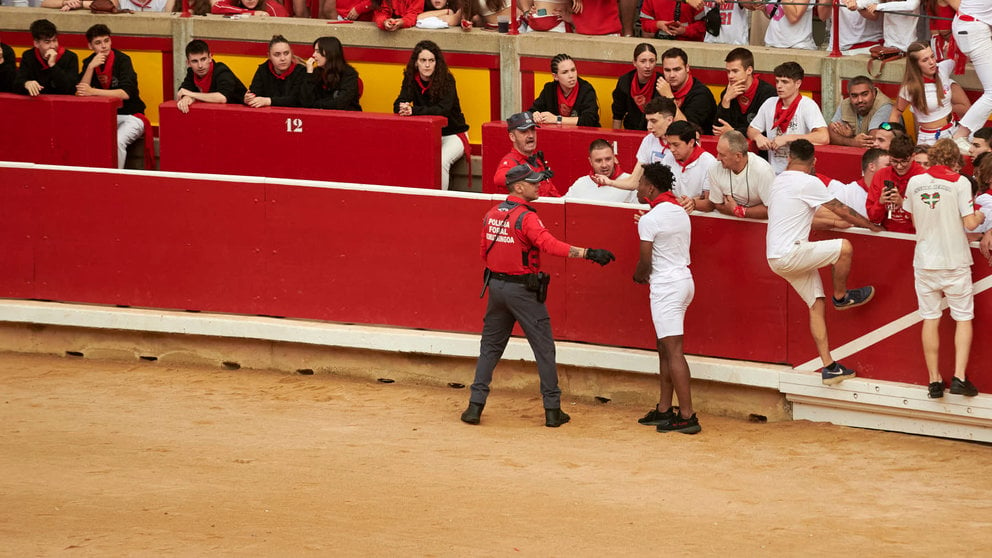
553,418
855,298
837,376
678,424
656,417
936,390
963,387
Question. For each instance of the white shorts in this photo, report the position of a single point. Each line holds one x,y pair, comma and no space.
799,267
924,137
668,304
955,284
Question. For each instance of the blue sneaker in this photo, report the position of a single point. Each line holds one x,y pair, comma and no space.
855,298
837,376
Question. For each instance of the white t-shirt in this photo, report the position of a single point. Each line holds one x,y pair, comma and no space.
978,9
748,188
852,195
793,200
585,188
854,29
694,179
735,24
652,151
667,226
899,30
782,34
806,119
984,201
154,6
938,202
935,110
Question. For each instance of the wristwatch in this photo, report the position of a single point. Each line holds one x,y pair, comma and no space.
559,119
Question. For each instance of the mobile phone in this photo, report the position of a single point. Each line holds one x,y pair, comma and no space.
889,185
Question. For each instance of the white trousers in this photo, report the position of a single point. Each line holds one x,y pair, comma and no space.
451,150
129,129
974,38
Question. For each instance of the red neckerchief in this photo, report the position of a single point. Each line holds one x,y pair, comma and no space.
861,182
105,73
989,191
948,49
943,173
142,4
420,82
284,75
44,62
745,98
696,153
683,91
783,116
566,102
642,93
824,179
613,176
664,197
204,83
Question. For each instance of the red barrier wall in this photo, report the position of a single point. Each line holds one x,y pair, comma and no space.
567,151
411,259
59,130
300,143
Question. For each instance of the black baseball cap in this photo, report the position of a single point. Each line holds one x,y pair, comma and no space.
521,121
523,173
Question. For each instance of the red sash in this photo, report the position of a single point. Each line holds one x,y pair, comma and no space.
745,98
567,102
783,116
642,94
105,73
44,61
696,153
613,176
420,82
664,197
284,75
206,82
683,91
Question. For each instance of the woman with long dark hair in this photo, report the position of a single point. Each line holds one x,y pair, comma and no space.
429,89
928,90
635,88
568,100
333,83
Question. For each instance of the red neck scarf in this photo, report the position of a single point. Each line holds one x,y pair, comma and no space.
683,91
44,61
105,73
664,197
420,83
284,75
861,182
696,153
642,93
745,98
613,176
206,82
824,179
566,102
783,116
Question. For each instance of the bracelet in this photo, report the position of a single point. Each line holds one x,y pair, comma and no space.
740,211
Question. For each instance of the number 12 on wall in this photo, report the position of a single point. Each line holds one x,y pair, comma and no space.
294,125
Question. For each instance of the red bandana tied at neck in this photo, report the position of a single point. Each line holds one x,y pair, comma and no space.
683,91
105,73
44,61
284,75
204,83
696,153
613,176
566,102
664,197
745,98
783,116
420,82
642,93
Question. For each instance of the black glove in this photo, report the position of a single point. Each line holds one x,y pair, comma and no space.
600,256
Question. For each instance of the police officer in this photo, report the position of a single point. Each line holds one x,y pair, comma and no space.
513,237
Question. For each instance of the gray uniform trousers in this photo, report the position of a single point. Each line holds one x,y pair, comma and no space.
509,303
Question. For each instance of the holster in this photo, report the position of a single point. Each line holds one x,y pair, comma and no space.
538,284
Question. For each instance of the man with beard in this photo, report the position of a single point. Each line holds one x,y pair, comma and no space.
604,163
864,109
523,136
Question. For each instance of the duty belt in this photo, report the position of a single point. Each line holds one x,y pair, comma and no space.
511,278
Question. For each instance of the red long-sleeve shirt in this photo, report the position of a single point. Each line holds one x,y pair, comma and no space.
878,211
407,10
513,158
653,11
505,248
273,8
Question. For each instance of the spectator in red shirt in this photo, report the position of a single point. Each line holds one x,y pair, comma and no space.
253,7
353,10
672,19
523,135
393,15
885,195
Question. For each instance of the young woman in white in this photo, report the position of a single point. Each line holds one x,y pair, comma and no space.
928,90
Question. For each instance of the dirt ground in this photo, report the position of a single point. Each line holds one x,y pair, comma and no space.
106,458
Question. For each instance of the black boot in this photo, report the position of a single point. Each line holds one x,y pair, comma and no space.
473,414
555,418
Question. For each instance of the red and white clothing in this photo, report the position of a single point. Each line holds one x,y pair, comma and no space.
652,150
853,195
783,34
668,228
807,117
407,10
598,17
984,203
655,11
273,8
972,30
750,187
585,188
512,228
692,176
362,7
513,158
857,33
899,30
894,219
936,110
735,24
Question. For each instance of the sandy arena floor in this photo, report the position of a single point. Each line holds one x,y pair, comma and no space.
104,458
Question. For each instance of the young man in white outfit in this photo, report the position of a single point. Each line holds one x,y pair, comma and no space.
972,30
603,161
665,234
940,202
735,24
793,199
787,117
791,24
692,165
